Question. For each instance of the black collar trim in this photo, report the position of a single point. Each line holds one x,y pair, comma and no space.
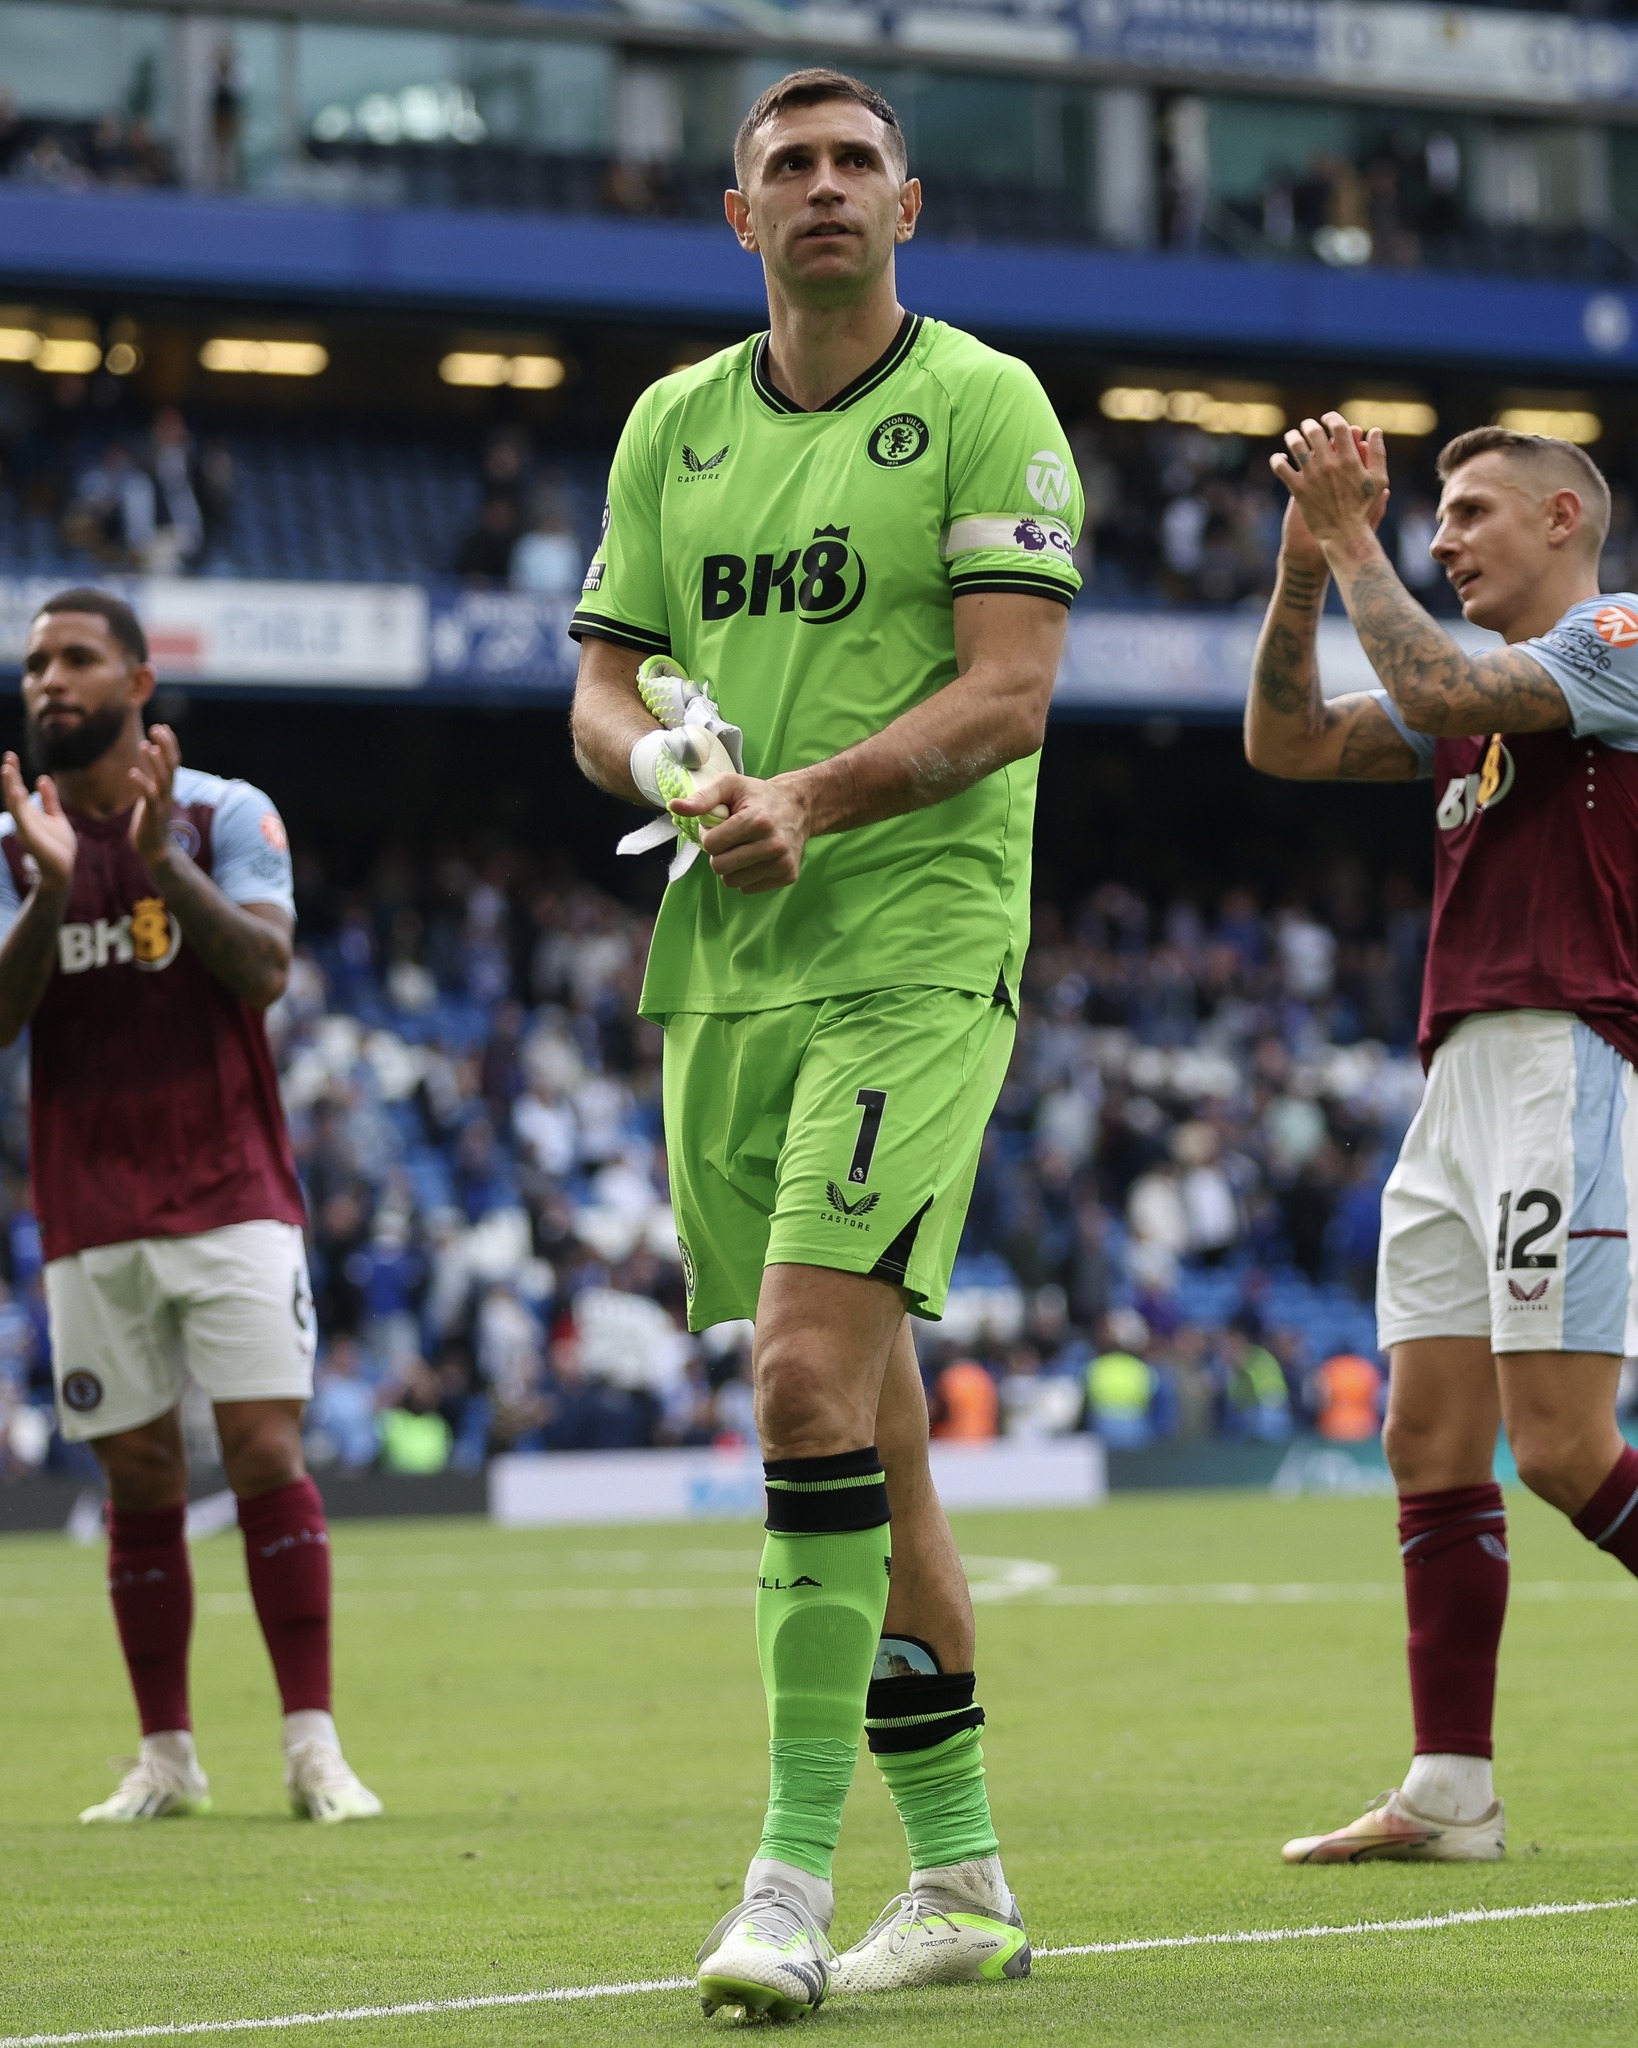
867,381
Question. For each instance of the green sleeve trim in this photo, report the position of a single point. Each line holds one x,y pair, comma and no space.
1027,586
825,1485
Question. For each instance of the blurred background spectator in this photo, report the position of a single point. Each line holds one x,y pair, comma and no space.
1171,1233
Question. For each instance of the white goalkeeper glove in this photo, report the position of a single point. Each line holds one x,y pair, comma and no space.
695,745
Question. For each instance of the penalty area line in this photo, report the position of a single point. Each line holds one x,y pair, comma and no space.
568,1994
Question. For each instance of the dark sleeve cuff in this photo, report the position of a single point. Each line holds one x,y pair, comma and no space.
1022,586
593,626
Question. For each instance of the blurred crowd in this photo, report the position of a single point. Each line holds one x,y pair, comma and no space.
1405,198
1172,1231
152,501
531,532
68,156
1179,516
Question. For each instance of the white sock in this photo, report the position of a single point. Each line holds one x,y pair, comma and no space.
310,1725
978,1883
1449,1787
174,1748
814,1892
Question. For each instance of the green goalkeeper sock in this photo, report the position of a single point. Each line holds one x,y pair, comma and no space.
925,1734
821,1596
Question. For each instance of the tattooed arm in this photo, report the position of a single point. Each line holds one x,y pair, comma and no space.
1290,729
1436,686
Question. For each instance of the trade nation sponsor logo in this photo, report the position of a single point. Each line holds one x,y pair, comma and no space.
821,582
1048,479
1617,625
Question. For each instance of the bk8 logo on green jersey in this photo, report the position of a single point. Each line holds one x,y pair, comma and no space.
820,583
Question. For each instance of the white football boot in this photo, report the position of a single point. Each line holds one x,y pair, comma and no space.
165,1782
767,1958
1392,1831
935,1934
324,1787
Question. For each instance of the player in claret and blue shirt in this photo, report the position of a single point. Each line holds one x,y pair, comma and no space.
1505,1288
838,557
146,916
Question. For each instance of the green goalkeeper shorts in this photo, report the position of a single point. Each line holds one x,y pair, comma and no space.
842,1133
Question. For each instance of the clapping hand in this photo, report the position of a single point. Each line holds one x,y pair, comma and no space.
44,831
1338,480
158,759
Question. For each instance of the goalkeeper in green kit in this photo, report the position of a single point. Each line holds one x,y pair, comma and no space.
820,635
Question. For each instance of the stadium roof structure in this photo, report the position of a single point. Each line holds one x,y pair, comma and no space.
681,271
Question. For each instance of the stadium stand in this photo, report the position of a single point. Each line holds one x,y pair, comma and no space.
1175,515
1185,1164
1184,1168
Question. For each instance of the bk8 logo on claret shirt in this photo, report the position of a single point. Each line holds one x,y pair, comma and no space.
147,937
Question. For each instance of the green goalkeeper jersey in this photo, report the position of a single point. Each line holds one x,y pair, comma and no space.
805,565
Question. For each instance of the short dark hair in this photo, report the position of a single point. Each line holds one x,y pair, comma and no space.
1569,467
123,623
811,87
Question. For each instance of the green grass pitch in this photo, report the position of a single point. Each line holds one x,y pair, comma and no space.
567,1730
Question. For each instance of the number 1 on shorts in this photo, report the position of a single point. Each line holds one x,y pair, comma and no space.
872,1101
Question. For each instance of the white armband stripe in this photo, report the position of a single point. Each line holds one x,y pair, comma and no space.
1018,533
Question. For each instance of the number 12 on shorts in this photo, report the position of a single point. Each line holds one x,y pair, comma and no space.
1523,1256
873,1101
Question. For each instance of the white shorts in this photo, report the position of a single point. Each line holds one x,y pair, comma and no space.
233,1307
1507,1216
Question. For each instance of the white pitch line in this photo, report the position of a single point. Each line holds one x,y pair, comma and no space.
1423,1921
176,2029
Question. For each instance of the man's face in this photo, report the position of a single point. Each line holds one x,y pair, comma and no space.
1494,539
824,204
79,689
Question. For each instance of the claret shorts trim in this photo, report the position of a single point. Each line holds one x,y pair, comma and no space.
233,1307
1509,1214
843,1133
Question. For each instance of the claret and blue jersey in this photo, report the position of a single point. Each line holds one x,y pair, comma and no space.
153,1101
1535,903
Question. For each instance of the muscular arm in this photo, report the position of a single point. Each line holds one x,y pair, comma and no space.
28,959
1437,687
993,712
1290,729
1338,484
608,718
245,946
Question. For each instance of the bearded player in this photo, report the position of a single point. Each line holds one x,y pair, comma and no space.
1505,1276
147,915
856,529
